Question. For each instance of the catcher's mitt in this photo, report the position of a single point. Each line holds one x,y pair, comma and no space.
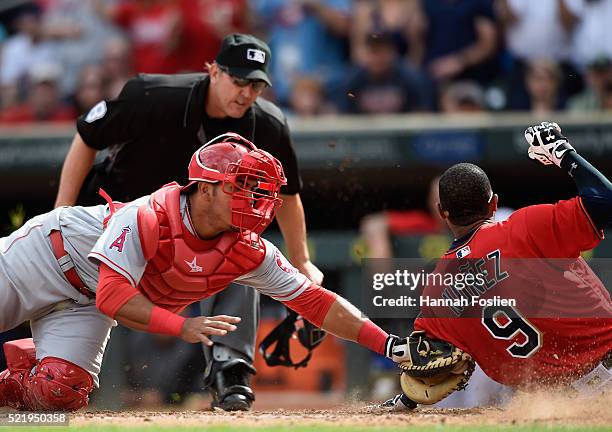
434,370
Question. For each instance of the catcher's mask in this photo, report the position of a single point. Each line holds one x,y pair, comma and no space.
309,336
252,177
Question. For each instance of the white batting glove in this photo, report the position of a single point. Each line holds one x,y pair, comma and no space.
546,143
396,349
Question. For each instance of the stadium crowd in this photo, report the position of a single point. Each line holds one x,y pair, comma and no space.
59,57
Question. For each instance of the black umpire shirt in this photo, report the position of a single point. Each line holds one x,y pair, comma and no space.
153,127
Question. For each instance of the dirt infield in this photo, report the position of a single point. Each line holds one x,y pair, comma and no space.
539,409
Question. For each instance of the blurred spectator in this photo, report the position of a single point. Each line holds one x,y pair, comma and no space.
458,39
542,82
308,98
205,23
44,103
67,32
526,36
528,39
307,37
377,228
90,88
383,84
154,29
592,35
117,64
76,34
20,51
598,77
461,97
395,17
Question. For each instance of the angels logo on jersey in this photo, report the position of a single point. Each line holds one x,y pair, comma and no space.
284,265
119,242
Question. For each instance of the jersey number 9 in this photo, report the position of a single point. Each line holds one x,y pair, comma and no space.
506,323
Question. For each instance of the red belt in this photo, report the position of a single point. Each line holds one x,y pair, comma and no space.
66,263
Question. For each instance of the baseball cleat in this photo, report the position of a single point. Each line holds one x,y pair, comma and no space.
232,402
398,403
231,389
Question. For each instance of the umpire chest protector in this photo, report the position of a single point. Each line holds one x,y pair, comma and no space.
181,267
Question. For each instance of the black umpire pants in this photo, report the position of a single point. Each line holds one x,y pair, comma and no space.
236,300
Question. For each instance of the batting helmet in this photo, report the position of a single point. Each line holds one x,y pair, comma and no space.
252,177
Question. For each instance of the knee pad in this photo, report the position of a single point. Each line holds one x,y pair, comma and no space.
20,359
58,385
20,354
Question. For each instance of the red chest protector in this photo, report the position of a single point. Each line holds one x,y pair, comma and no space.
182,268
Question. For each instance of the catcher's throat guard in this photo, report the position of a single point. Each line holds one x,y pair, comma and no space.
309,336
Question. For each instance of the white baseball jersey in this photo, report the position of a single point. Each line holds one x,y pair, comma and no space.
119,248
66,323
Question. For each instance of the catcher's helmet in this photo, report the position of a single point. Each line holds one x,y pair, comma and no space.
255,177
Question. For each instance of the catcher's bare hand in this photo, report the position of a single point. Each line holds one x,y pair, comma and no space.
199,328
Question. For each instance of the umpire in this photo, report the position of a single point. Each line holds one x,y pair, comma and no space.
151,130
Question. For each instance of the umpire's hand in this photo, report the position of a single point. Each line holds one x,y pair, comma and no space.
199,328
311,271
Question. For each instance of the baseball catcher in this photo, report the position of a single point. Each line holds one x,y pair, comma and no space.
75,270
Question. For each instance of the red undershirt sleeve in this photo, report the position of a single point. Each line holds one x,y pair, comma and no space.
313,303
113,291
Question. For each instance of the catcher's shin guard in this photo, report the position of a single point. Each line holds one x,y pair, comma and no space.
52,384
230,387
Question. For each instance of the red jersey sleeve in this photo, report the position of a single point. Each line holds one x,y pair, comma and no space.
560,230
